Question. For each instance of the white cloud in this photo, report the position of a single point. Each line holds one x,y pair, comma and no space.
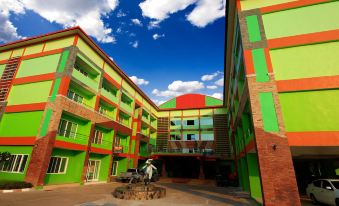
158,36
220,82
132,34
8,31
139,81
121,14
134,44
158,102
209,77
179,87
206,12
217,95
136,22
119,30
87,14
211,87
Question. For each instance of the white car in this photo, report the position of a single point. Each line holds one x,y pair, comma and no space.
324,191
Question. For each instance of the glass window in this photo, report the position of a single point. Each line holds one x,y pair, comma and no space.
114,168
175,137
326,184
75,97
57,165
176,122
207,136
190,122
206,121
67,129
190,137
15,164
335,183
98,136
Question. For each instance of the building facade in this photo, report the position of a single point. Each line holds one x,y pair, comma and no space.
70,115
281,88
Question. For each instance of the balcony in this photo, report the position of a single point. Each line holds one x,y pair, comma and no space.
126,107
145,119
86,80
69,136
109,96
105,144
154,124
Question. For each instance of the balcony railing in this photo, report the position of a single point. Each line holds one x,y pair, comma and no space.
185,151
126,107
102,143
109,96
86,80
81,103
72,135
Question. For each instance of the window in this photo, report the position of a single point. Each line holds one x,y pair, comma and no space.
175,137
78,68
190,137
206,121
75,97
117,141
15,164
190,122
102,110
335,183
207,136
114,168
175,122
326,184
57,165
98,136
67,129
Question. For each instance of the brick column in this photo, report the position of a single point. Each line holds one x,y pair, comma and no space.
277,176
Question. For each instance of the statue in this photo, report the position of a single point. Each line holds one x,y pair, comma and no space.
148,171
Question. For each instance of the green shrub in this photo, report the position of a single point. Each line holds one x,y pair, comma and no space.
15,185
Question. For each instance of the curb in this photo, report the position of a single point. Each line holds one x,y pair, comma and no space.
16,190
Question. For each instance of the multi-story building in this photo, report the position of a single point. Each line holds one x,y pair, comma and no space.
281,88
70,115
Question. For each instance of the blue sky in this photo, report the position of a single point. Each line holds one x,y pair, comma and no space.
168,47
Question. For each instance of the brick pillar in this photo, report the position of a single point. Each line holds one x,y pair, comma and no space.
276,169
88,151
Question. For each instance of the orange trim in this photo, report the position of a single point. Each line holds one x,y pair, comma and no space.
238,5
65,81
321,138
314,83
76,38
290,5
30,56
37,78
100,151
111,80
17,140
268,60
249,62
69,145
317,37
26,107
4,61
138,102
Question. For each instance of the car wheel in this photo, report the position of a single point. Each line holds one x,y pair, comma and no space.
337,202
314,200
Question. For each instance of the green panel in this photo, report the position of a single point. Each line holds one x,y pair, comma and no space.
74,167
254,176
309,19
133,147
107,139
29,93
63,61
169,104
253,28
310,111
268,112
37,66
122,165
210,101
6,176
306,61
254,4
260,66
2,68
55,89
20,124
44,127
104,165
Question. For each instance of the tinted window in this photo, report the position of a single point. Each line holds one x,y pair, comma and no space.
326,184
190,122
335,184
317,183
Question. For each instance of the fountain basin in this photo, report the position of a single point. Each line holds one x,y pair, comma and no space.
139,192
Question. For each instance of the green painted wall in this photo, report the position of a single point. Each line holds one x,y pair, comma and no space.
306,61
2,68
104,165
210,101
20,124
254,177
74,167
253,28
169,104
308,19
29,93
6,176
268,112
107,140
122,164
40,65
260,66
310,111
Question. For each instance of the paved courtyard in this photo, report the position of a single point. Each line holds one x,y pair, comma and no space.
100,194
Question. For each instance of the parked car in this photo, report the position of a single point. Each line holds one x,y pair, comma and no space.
324,191
134,173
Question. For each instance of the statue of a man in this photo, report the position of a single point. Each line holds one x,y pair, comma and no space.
148,171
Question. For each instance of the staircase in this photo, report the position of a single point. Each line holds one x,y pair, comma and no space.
162,137
7,77
222,142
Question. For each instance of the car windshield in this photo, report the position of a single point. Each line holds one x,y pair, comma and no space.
335,183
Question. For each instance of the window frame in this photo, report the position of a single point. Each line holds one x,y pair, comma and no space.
116,168
13,165
65,168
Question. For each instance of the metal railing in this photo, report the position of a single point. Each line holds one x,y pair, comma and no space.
103,142
185,151
73,135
